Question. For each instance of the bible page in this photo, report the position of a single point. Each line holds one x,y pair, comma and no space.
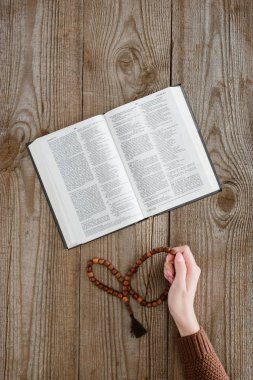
86,182
162,151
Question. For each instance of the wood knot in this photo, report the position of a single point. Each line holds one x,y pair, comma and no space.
134,74
9,150
126,61
226,199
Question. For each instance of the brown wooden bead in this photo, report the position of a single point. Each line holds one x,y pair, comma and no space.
125,281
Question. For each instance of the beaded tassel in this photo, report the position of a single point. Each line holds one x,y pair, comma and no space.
136,327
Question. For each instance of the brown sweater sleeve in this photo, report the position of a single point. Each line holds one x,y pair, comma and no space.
199,359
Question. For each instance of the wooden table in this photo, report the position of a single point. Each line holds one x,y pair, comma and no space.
62,62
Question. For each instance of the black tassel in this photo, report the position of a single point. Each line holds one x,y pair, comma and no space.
137,329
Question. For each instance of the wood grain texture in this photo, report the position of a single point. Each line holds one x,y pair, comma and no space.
212,50
124,59
62,62
39,281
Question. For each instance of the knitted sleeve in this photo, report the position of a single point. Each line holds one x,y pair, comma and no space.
199,358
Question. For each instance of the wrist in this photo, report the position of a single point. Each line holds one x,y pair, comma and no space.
188,325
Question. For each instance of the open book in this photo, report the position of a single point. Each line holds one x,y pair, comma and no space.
116,169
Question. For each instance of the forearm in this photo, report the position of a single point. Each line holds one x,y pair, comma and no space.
199,358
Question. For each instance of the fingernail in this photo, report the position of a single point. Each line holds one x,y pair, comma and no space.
179,257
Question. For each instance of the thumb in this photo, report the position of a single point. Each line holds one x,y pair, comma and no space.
180,269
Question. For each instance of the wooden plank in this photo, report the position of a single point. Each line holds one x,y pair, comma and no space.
41,78
124,48
212,55
126,55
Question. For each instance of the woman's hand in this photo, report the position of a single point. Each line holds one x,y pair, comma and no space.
183,274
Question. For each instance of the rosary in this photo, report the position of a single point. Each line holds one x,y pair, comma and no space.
136,327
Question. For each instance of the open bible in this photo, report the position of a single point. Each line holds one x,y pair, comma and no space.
116,169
